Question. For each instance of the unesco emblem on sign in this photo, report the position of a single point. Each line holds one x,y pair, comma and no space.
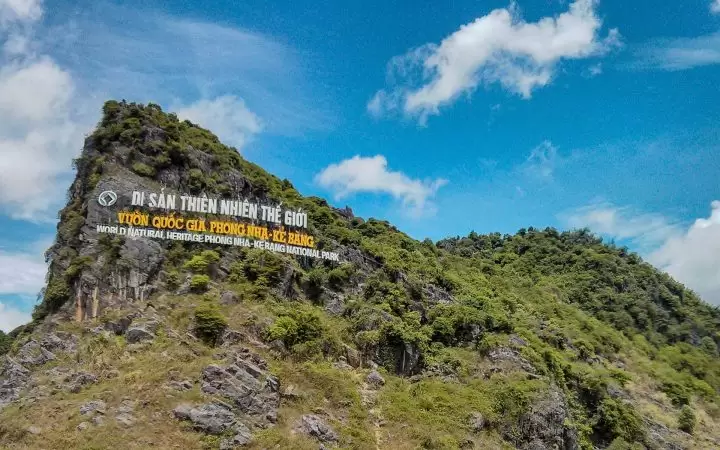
107,198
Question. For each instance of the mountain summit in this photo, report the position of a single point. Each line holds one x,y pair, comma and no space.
195,301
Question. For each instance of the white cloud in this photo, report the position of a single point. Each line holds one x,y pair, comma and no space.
678,54
690,254
39,134
648,230
715,6
542,161
595,70
54,78
499,47
21,273
693,256
11,318
371,174
20,10
226,116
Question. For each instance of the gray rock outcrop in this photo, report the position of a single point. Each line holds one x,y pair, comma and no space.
315,426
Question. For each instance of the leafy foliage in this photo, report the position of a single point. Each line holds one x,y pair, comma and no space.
210,323
199,283
566,303
687,419
5,342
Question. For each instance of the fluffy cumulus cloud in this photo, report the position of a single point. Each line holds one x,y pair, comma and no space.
21,273
371,174
39,134
715,6
497,48
227,116
693,256
690,254
11,318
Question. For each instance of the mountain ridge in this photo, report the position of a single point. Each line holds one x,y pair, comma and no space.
535,340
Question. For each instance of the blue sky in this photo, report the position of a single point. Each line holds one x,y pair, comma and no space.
442,117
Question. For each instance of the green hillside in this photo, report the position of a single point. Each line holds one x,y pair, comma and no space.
542,339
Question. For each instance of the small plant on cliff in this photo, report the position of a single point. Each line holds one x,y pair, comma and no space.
200,263
296,326
687,420
210,323
143,169
619,419
5,343
199,283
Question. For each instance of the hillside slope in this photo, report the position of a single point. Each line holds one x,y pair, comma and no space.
541,340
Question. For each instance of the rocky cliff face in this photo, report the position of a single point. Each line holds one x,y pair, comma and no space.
143,342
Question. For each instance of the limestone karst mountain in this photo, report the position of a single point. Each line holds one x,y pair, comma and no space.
539,340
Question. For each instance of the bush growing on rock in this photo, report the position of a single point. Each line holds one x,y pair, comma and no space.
210,323
314,281
687,420
299,328
619,419
199,283
200,263
339,276
143,169
5,343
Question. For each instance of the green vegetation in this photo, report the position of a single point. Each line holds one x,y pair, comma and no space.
199,283
201,262
298,328
687,420
5,343
210,323
617,338
143,169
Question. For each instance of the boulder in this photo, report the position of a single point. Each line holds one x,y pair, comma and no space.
247,384
92,407
78,380
242,437
210,418
33,354
119,326
375,380
139,332
229,298
476,422
510,359
315,426
13,379
352,356
543,426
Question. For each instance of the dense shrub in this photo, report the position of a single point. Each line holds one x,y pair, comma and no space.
339,276
619,419
143,169
687,420
172,279
5,343
210,323
296,326
313,281
200,263
199,283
